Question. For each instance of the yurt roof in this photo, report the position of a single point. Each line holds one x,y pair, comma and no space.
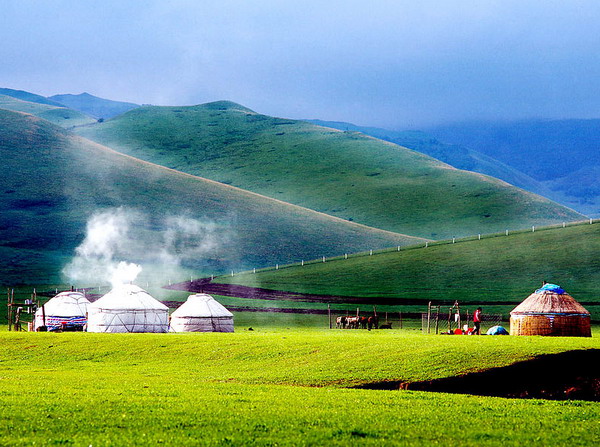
128,296
66,304
201,305
550,299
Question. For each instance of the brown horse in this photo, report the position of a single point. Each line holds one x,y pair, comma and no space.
373,322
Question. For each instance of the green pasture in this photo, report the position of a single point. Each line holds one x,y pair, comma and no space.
493,269
344,174
271,387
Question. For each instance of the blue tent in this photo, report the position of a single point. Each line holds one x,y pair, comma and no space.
497,330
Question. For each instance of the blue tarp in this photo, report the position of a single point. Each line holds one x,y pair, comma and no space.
497,330
551,288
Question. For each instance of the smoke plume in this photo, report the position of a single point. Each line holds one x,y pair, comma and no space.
122,243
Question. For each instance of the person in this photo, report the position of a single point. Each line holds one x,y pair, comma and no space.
477,321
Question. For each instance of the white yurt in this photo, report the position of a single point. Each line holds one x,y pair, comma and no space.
67,310
128,308
201,313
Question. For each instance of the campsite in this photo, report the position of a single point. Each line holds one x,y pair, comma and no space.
318,223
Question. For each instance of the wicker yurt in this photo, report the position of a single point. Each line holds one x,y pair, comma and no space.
550,311
201,313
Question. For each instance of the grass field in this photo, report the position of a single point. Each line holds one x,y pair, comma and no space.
271,387
493,269
55,182
344,174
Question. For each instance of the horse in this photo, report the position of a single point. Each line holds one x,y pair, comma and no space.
363,321
352,322
373,322
340,322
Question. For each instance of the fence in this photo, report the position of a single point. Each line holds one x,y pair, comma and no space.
440,319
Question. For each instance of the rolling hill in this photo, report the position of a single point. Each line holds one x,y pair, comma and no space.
455,155
54,182
94,106
58,114
564,155
493,270
343,174
28,96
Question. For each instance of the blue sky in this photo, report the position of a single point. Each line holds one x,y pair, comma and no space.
396,64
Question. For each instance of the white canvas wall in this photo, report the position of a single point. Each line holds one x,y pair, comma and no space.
127,308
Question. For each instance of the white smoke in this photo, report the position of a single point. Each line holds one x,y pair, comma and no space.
119,241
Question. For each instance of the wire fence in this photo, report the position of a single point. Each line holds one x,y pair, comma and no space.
418,246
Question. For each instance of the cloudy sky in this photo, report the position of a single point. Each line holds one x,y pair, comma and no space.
397,64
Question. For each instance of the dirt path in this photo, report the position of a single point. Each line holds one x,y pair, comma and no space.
205,285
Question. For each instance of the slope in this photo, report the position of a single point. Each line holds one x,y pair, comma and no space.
549,151
53,182
94,106
344,174
27,96
59,115
455,155
493,269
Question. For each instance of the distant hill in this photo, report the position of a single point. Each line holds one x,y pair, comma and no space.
455,155
58,114
27,96
344,174
94,106
560,153
53,182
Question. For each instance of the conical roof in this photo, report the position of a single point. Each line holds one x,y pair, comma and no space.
201,305
128,297
66,304
549,299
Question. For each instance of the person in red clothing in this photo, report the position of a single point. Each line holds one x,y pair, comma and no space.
477,321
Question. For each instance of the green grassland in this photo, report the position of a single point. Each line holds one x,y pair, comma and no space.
61,116
53,182
493,269
343,174
271,387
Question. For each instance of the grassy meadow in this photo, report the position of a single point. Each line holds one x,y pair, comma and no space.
344,174
271,387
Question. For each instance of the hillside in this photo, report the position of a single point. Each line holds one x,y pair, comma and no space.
552,152
59,115
94,106
493,269
54,182
29,97
455,155
343,174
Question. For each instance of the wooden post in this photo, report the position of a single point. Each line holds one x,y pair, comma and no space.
44,314
374,310
428,317
437,320
357,311
400,315
9,309
329,314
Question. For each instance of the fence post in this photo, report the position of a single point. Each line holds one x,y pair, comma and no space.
479,236
507,232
